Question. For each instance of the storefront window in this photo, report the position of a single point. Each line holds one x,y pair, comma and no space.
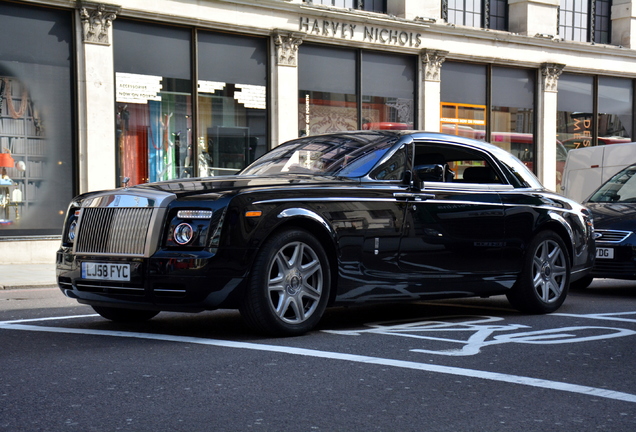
328,96
575,117
463,95
232,116
615,108
327,90
512,112
575,109
36,119
510,115
388,85
154,101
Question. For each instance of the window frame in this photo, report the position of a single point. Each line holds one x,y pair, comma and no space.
486,17
594,17
377,6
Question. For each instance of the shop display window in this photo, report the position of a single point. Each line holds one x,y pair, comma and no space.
328,97
463,95
387,103
153,102
615,109
327,89
512,112
507,121
575,110
232,102
36,120
581,124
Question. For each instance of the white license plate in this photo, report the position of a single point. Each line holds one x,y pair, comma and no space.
106,271
604,253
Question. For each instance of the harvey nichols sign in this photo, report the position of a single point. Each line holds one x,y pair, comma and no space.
342,30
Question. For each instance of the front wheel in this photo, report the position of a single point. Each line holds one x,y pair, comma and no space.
288,289
543,283
124,315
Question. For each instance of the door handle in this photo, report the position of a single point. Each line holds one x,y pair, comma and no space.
413,196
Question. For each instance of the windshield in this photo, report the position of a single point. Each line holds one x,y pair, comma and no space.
621,188
342,155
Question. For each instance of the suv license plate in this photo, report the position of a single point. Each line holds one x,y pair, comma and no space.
604,253
106,271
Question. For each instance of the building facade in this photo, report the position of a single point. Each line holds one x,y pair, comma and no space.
99,95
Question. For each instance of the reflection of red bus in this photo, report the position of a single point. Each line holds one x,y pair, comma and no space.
386,126
574,143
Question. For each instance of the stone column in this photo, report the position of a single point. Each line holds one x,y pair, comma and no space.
533,17
430,90
96,96
547,124
285,87
624,23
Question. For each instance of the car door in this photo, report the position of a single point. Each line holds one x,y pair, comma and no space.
454,230
369,228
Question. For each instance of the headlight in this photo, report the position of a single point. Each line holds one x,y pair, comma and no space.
190,228
194,214
71,227
183,233
71,231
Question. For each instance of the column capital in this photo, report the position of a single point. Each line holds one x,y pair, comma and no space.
432,61
287,44
96,20
551,73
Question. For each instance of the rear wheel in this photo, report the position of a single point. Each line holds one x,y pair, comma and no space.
125,315
543,283
288,289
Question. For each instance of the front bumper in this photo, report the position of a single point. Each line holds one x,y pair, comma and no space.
621,266
184,282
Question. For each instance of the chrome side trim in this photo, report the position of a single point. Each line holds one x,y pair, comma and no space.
305,213
110,287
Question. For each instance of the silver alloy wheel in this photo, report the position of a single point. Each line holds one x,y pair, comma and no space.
295,283
549,271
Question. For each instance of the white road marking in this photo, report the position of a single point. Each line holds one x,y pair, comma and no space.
471,373
613,316
479,329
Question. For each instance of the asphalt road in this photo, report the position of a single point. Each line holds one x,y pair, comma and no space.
452,365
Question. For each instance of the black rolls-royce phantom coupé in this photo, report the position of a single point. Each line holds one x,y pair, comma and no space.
338,219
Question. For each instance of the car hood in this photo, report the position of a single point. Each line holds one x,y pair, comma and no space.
204,185
617,216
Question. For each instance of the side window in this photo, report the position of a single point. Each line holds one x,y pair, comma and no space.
456,164
392,169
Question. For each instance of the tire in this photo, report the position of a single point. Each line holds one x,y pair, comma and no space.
582,283
543,283
289,285
125,315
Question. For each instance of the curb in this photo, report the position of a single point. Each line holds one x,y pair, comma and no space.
27,286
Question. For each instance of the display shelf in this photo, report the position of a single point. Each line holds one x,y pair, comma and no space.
21,135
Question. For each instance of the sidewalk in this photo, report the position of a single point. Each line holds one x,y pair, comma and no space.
13,276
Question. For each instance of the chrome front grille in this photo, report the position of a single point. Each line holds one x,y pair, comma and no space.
611,236
119,231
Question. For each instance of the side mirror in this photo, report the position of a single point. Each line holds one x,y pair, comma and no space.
412,181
